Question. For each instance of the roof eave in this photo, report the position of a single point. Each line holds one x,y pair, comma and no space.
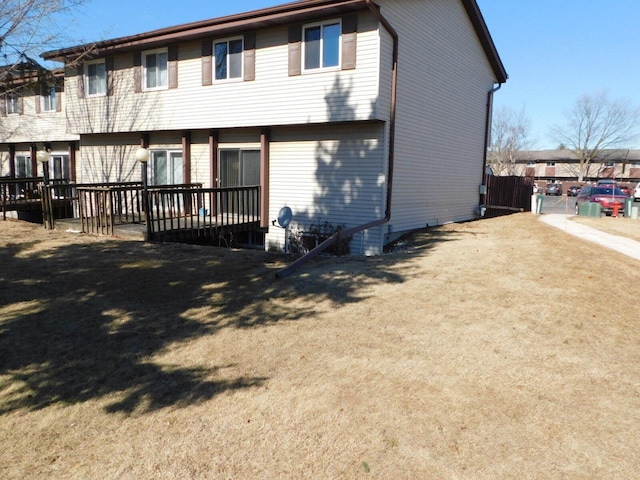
474,13
291,12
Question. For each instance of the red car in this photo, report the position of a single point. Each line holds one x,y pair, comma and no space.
608,196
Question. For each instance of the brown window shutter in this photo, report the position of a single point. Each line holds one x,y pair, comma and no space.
80,77
38,98
207,62
59,90
108,64
20,105
173,66
295,50
250,56
3,106
137,72
349,41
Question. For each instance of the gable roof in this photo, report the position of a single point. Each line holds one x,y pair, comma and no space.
299,11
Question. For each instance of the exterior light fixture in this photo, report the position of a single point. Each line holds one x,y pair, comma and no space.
43,156
142,155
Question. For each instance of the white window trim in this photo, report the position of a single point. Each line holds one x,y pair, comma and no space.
304,49
144,69
43,101
87,78
228,80
151,164
12,99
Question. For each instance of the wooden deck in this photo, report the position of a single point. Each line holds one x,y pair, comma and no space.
184,213
168,213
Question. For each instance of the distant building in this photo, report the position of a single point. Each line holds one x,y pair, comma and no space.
547,166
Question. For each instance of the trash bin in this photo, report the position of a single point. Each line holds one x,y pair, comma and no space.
590,209
628,205
539,201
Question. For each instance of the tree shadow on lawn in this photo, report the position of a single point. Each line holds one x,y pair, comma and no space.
82,321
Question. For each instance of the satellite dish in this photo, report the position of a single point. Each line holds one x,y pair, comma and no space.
284,217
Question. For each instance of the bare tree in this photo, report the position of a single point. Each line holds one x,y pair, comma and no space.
509,138
27,27
596,126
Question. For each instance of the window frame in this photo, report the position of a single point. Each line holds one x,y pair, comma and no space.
88,77
170,156
12,103
48,98
24,158
321,68
155,52
240,150
228,40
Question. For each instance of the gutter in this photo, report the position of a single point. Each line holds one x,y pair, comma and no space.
487,134
392,137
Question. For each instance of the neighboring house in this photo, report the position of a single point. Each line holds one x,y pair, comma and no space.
307,100
32,118
562,166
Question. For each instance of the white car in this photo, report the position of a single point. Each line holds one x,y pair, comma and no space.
636,193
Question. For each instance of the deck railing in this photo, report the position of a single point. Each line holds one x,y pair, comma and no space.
205,213
176,212
19,192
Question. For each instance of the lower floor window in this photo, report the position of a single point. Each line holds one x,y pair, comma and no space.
23,166
239,168
166,167
59,166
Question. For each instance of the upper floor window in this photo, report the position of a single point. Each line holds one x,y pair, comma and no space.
96,78
48,99
609,164
228,58
321,45
156,69
531,164
13,103
551,164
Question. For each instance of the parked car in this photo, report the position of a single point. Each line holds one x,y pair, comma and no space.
608,196
636,193
624,189
554,189
573,190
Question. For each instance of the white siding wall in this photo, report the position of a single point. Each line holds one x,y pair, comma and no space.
329,173
273,98
444,78
108,159
34,127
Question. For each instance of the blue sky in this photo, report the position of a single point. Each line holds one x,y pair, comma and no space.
554,51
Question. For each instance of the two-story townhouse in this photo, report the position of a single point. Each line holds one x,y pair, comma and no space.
563,166
346,111
31,119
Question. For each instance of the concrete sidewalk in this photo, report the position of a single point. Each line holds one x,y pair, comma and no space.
622,245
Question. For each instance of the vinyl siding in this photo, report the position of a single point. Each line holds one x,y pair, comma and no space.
330,173
444,78
273,98
35,127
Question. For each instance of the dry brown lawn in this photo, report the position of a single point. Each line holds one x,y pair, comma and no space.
497,349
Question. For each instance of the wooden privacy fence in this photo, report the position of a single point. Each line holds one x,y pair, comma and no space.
508,194
202,214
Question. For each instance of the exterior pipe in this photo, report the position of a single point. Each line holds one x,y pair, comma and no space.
487,132
392,138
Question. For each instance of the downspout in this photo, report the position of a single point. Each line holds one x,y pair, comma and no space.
487,133
392,138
